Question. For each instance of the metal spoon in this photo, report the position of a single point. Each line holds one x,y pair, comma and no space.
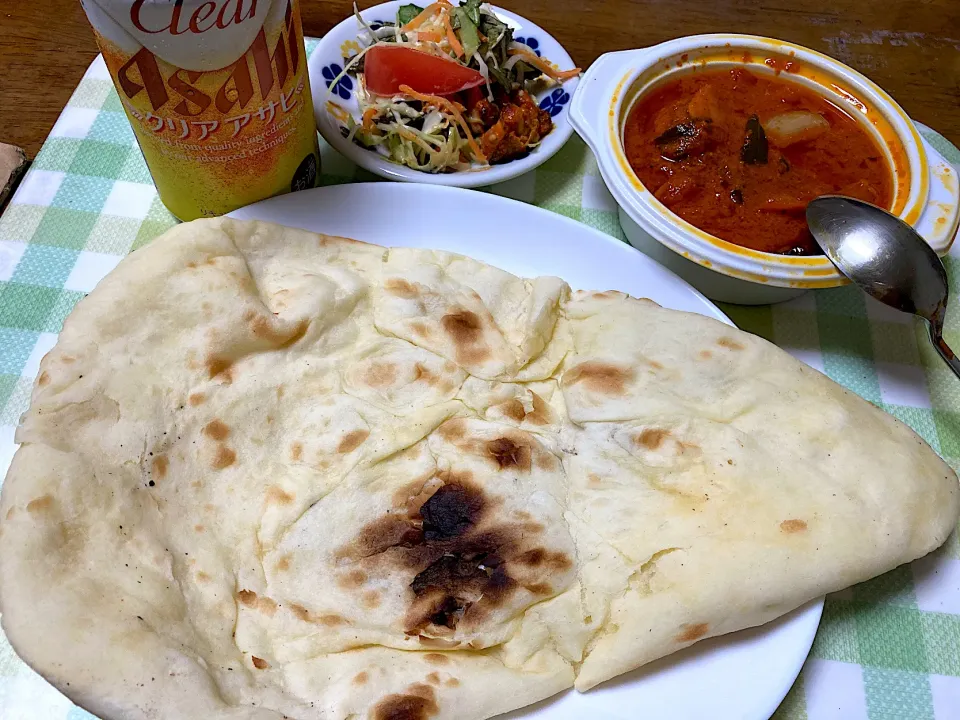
887,258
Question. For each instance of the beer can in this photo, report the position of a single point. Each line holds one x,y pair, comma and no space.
217,94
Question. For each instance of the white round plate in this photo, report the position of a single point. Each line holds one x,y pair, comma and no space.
744,675
326,63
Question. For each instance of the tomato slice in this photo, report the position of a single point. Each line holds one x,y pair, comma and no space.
387,67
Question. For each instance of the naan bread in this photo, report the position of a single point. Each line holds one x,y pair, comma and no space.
270,474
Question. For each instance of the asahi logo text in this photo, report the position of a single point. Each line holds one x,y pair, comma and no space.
204,17
235,86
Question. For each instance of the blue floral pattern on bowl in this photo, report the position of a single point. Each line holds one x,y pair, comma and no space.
530,42
344,86
554,102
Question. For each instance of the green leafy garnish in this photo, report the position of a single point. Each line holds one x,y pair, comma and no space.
491,26
406,13
499,36
472,9
469,37
500,76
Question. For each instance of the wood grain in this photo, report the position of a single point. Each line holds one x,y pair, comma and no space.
910,47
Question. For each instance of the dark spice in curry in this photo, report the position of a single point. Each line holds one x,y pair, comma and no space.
739,155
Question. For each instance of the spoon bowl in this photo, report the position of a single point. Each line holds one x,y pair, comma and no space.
886,258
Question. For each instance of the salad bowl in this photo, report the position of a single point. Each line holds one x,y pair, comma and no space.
337,106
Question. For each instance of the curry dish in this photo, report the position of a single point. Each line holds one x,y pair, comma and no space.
740,155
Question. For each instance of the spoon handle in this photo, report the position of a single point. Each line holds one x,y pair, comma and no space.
949,357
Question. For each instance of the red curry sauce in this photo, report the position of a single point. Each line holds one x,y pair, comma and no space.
740,155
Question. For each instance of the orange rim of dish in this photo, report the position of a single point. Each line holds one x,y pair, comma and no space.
817,270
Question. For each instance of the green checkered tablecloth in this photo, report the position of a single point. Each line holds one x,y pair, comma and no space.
886,649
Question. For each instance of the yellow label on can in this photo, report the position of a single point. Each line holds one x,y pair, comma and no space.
214,138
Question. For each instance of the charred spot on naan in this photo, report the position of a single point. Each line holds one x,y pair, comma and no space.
278,496
352,440
468,584
659,445
507,453
514,451
692,632
464,561
352,579
730,344
540,414
380,374
40,504
453,430
541,558
248,598
793,526
421,373
266,328
465,329
599,377
419,702
392,530
652,438
451,511
395,370
326,619
401,288
159,466
224,458
512,409
463,326
420,329
219,367
216,429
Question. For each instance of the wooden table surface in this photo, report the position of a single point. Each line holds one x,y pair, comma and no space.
910,47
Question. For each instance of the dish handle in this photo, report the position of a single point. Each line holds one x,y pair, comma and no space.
596,95
938,222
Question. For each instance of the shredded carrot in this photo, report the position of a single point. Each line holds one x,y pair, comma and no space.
368,115
543,65
452,36
428,12
450,107
430,35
